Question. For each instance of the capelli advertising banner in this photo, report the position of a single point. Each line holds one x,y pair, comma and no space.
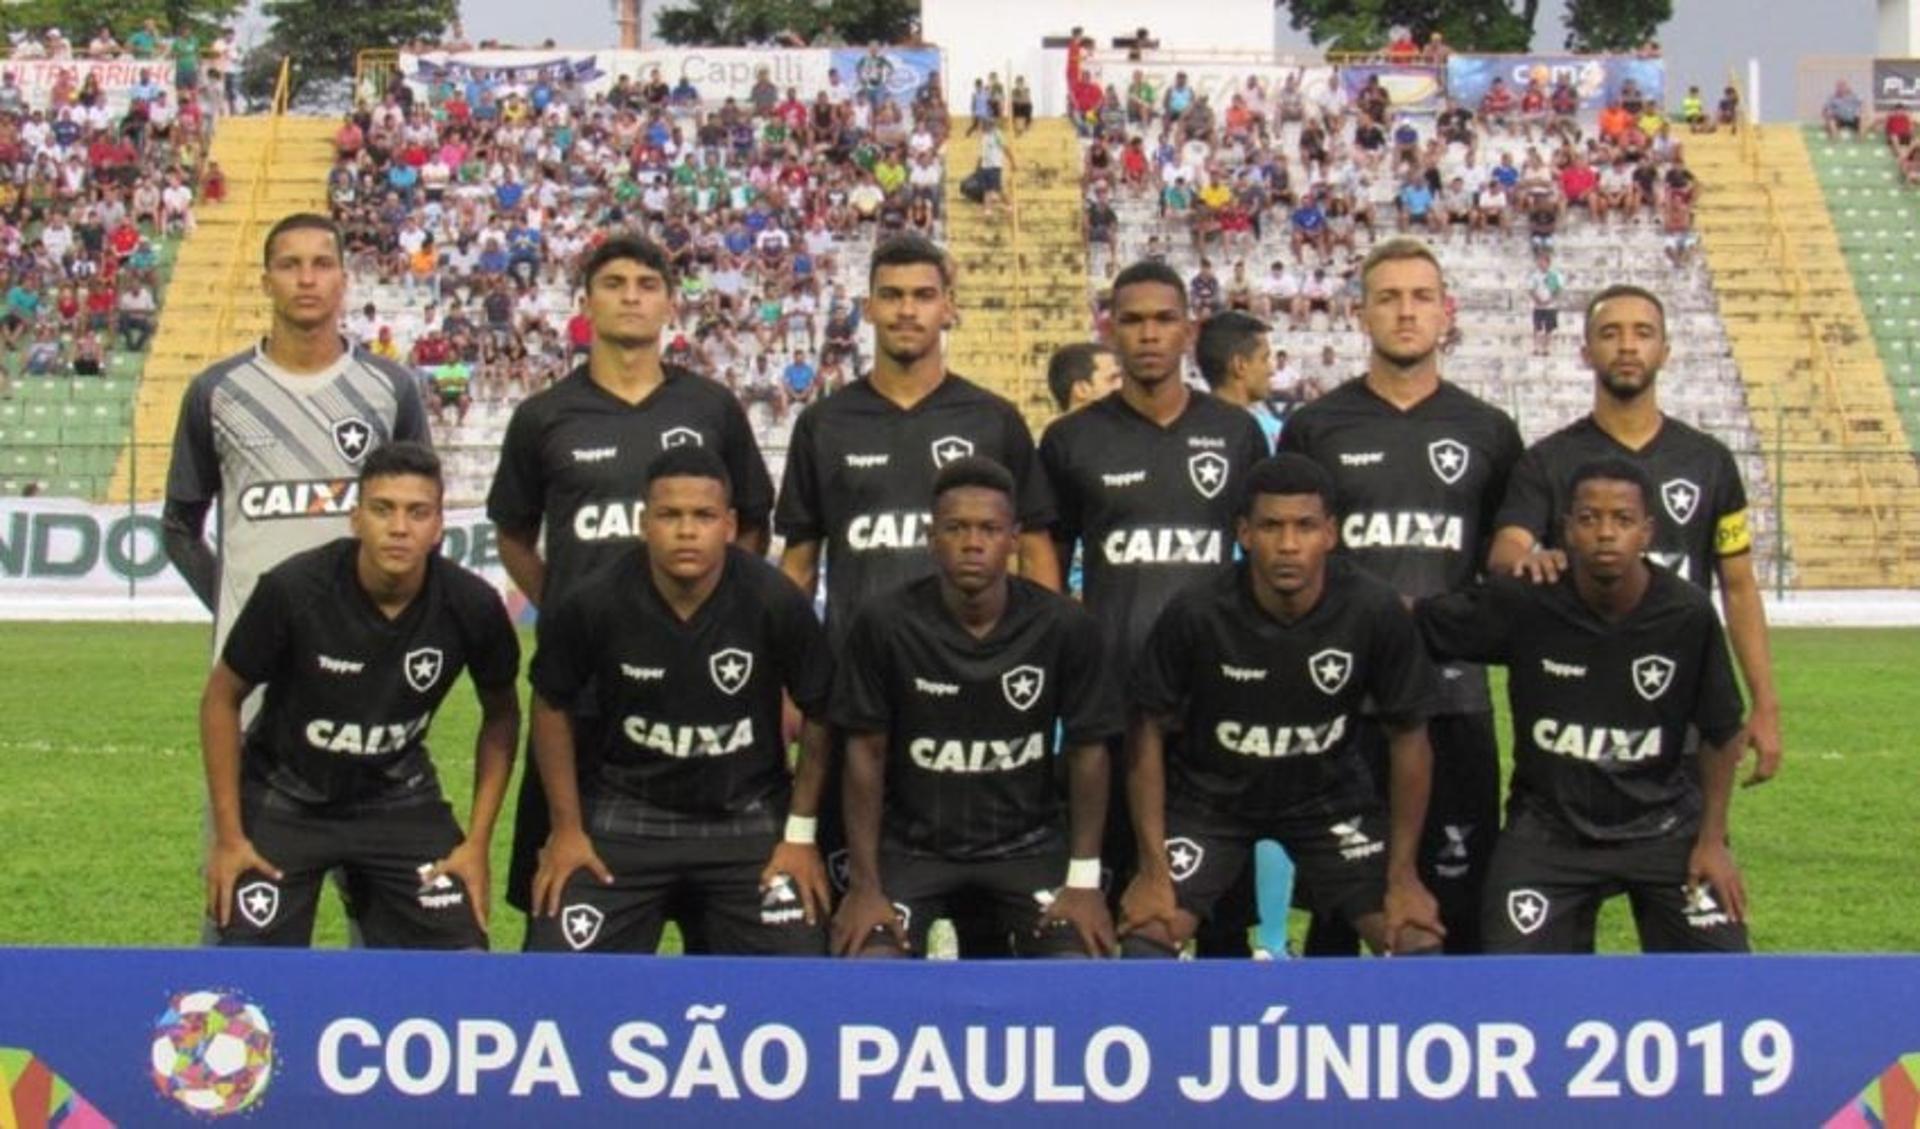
717,73
157,1038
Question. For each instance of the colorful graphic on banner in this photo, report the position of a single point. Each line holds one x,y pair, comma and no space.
212,1052
1891,1099
1598,78
370,1038
1414,89
910,69
32,1096
495,68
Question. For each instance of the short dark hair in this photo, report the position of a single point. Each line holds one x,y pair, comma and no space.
976,471
403,457
1288,474
1150,270
1070,365
907,251
1224,337
304,221
1612,469
1623,290
689,460
627,245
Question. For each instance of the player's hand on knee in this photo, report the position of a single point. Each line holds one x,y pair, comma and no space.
1763,736
1712,863
228,861
1410,910
1086,912
801,863
1148,900
1542,566
467,862
863,912
565,852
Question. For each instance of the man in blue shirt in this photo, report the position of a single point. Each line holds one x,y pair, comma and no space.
1310,226
1416,202
798,378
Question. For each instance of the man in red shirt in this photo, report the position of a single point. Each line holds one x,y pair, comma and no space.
1577,184
348,139
1899,128
1496,106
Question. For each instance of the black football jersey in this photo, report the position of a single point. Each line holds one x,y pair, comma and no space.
1418,492
1269,709
1154,508
1600,710
1700,507
859,479
971,724
350,694
688,730
575,458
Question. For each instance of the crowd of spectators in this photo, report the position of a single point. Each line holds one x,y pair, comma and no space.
474,202
89,190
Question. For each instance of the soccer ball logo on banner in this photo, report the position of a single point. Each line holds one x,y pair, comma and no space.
212,1052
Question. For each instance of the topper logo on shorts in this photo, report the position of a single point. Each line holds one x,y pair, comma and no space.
258,903
1681,498
730,669
1330,669
1183,857
950,447
1701,910
680,437
1652,674
351,437
580,923
1527,910
1449,459
1022,686
1208,470
423,668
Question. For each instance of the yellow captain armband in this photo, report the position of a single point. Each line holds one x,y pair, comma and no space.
1733,535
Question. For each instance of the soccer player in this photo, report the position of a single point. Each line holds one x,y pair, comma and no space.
684,646
1265,669
1236,360
1700,527
1419,466
1148,480
1080,373
576,454
357,643
954,690
277,433
1608,669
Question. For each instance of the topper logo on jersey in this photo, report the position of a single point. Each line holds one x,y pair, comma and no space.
950,447
351,437
1527,910
730,669
1184,857
258,903
1330,669
680,437
1208,470
1022,686
1652,674
1448,458
319,497
1681,498
1243,673
423,667
581,924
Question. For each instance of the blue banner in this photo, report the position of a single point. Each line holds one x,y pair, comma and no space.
1412,87
911,68
176,1037
1598,78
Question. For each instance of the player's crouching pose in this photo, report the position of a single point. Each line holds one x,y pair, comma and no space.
1607,670
1265,669
953,690
684,647
357,643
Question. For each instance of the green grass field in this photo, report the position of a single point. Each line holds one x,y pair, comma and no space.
101,793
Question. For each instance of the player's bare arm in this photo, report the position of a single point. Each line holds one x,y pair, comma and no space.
520,556
801,562
1039,562
233,854
1712,859
1148,907
1747,629
568,848
1080,902
493,751
796,855
1412,916
866,907
1515,552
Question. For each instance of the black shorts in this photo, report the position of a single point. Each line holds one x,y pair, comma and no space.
1546,321
1543,890
714,881
382,854
1340,863
1010,893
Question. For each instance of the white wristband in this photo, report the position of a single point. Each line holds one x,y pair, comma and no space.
800,829
1083,874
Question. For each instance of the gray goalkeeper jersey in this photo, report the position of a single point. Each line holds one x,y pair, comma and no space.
281,451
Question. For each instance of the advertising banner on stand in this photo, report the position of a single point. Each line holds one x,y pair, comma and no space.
1598,78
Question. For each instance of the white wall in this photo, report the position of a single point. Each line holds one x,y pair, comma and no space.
1899,29
980,36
